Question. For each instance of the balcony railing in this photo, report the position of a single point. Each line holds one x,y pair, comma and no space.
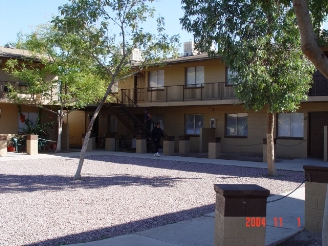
319,86
179,93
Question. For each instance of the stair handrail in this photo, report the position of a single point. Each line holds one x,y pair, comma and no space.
130,114
137,106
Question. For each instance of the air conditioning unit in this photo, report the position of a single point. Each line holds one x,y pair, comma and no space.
136,55
189,49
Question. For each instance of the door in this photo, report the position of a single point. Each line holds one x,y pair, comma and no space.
76,121
139,88
317,121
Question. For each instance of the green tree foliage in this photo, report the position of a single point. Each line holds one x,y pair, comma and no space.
54,79
260,43
108,31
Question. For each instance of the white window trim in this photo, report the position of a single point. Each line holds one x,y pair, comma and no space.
226,125
290,127
198,77
194,122
159,74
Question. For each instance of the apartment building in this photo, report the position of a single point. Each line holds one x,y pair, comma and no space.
10,123
191,96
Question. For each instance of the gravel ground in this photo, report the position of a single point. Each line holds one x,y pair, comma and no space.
304,238
40,203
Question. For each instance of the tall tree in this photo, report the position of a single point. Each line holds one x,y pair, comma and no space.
312,37
110,30
260,44
310,15
55,80
312,34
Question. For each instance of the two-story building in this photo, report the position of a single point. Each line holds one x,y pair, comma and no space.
193,92
10,122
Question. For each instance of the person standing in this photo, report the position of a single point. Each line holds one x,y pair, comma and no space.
147,121
156,135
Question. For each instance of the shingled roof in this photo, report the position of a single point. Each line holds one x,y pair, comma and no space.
16,53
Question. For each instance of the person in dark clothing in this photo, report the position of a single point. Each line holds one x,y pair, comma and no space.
147,121
156,135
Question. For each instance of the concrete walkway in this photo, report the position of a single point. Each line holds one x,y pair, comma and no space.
284,217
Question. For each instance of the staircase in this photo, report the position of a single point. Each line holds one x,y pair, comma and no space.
130,121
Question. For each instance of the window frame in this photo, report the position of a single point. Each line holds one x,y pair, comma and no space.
185,122
226,125
290,127
158,88
195,85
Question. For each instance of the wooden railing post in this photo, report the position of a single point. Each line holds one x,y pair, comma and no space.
165,87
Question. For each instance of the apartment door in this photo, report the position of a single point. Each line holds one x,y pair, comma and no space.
317,121
76,121
139,88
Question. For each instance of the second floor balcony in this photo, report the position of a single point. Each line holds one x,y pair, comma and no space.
207,93
178,93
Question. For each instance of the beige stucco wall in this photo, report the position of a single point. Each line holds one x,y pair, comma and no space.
9,117
257,126
214,71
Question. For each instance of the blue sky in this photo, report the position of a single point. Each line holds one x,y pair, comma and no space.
23,15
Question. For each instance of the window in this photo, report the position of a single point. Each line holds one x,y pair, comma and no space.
193,123
115,87
291,125
236,125
156,80
230,75
195,76
28,115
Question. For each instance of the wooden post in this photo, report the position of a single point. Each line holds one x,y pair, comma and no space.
110,141
240,214
315,195
214,147
32,144
141,146
168,145
184,145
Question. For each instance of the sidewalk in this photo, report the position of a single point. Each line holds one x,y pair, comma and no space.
200,231
292,165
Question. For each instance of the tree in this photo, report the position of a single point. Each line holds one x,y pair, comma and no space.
310,15
109,31
311,38
55,80
312,35
260,45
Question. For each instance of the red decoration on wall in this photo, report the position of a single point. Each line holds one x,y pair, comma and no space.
22,118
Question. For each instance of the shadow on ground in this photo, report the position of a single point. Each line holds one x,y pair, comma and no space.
222,171
30,183
128,228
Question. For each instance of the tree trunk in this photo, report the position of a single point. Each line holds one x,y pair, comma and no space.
87,135
312,50
270,146
309,43
60,131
